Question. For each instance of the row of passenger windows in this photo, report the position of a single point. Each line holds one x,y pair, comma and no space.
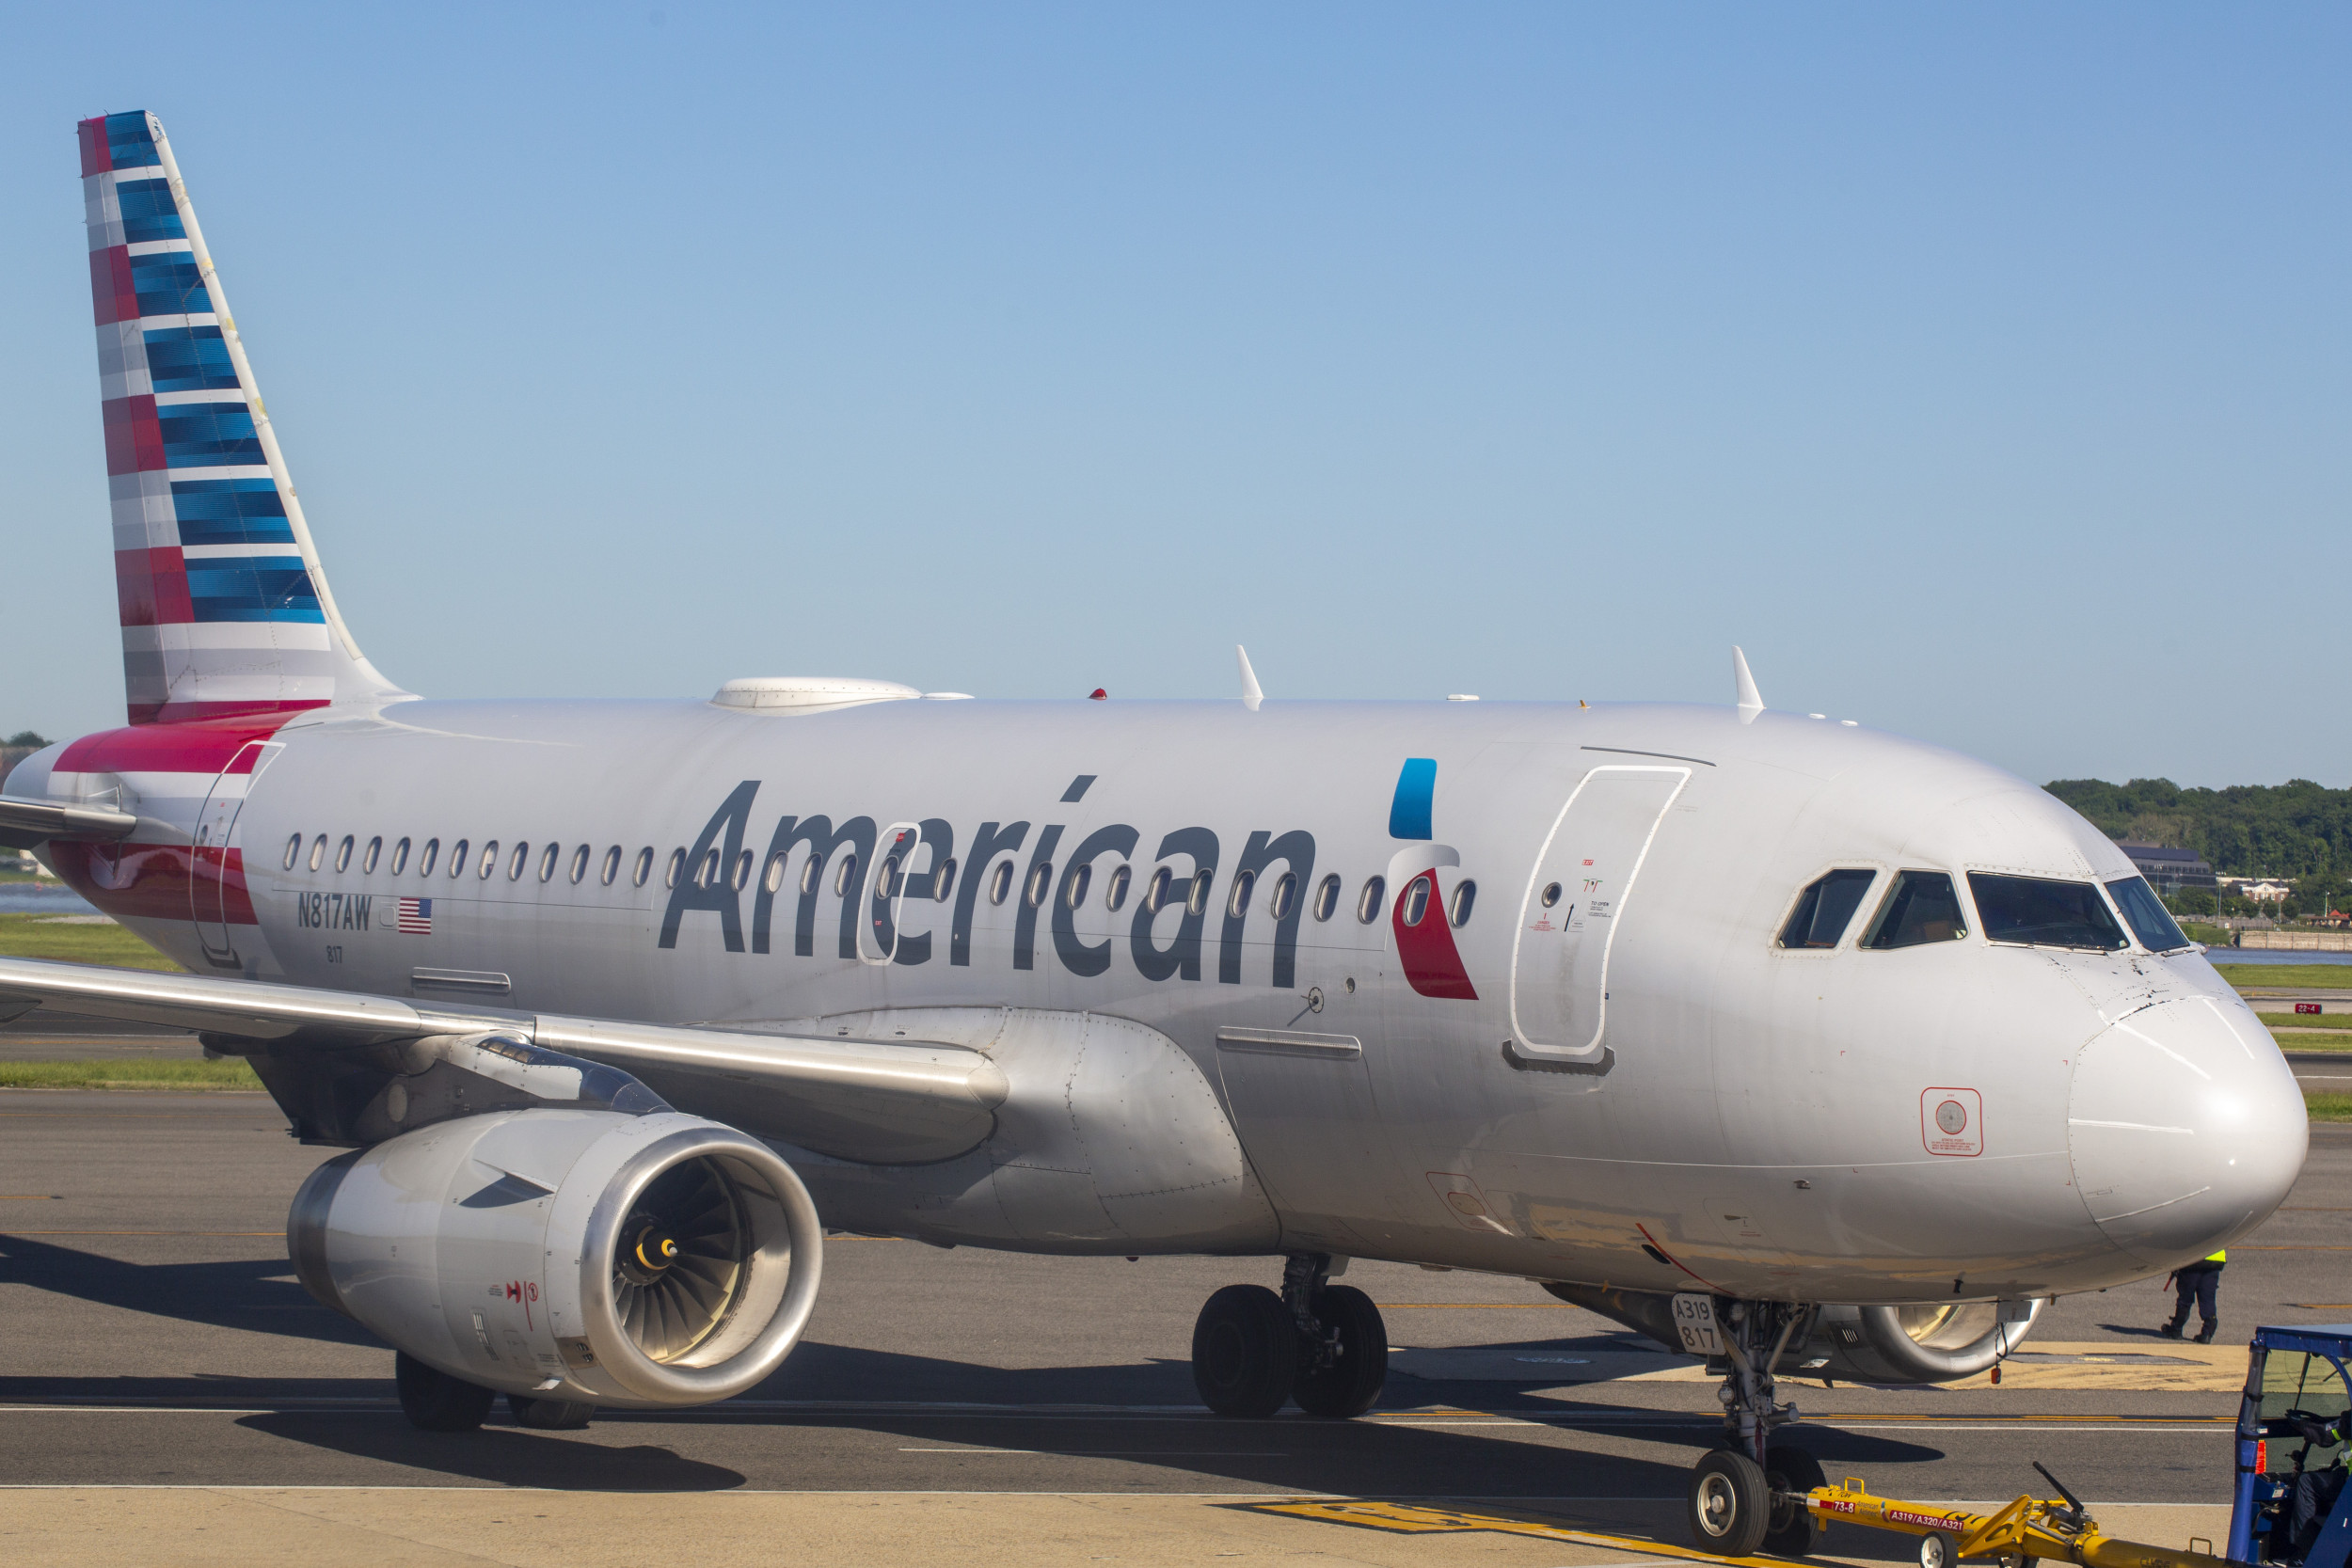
2038,911
1160,889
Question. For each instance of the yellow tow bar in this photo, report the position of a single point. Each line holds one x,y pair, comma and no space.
2027,1529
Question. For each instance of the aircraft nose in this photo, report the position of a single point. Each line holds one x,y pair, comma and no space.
2185,1127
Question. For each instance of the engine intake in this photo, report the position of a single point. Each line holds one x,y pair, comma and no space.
632,1260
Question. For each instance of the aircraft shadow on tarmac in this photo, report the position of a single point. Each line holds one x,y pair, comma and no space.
502,1455
257,1295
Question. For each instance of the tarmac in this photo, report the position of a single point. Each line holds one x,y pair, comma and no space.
172,1395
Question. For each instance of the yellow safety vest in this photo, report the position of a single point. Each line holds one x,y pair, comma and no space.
2221,1257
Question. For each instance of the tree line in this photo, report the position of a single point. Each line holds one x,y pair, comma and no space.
2298,830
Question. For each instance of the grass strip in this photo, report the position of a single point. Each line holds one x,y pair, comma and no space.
2290,977
37,936
230,1073
2329,1105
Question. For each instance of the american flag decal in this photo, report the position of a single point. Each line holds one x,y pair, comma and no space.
414,917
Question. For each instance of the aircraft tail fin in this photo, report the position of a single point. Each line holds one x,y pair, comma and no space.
226,611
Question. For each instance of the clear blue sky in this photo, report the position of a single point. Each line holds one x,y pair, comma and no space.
1983,369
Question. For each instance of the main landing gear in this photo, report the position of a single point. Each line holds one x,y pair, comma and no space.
1319,1344
1743,1496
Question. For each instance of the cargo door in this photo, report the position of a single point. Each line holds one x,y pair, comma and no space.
1575,901
1303,1105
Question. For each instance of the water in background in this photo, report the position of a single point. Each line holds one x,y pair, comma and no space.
2264,956
41,898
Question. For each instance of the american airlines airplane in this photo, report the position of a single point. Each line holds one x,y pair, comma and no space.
1795,1045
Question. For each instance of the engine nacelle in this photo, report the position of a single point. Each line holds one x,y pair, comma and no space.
1854,1344
630,1260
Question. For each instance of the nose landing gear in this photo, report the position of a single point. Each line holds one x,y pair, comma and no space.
1320,1344
1743,1496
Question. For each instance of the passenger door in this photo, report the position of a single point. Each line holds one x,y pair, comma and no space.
1576,900
218,895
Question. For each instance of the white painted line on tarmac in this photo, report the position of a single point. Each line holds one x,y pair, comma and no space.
1119,1453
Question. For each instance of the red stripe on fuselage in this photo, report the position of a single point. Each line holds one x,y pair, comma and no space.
205,747
97,157
134,442
154,882
110,291
151,588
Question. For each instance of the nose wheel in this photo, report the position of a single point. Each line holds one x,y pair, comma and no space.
1321,1345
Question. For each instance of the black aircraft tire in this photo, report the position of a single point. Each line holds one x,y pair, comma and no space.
1350,1385
1728,1506
1794,1528
550,1415
1245,1353
435,1401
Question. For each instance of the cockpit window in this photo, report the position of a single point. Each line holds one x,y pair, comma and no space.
1921,906
2150,921
2043,911
1826,910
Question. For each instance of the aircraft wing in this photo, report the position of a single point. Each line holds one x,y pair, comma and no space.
858,1099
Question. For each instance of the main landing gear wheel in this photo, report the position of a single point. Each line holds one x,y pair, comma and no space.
435,1401
1729,1507
550,1415
1349,1377
1788,1472
1245,1351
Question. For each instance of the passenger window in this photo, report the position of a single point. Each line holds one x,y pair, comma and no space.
1825,909
2043,911
772,878
677,865
1285,895
1237,901
811,869
1920,907
2150,921
458,858
1414,901
1041,879
1464,897
1115,895
1327,898
1080,877
515,863
580,866
842,878
318,851
293,847
643,869
707,875
1156,891
547,859
490,861
342,853
1000,883
367,863
432,852
944,881
743,870
1198,899
399,857
1368,903
611,867
887,881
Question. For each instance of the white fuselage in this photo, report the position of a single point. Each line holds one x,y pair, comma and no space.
1718,1108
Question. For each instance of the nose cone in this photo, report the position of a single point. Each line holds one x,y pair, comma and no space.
2185,1127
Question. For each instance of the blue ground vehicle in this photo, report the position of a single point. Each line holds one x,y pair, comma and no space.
2291,1505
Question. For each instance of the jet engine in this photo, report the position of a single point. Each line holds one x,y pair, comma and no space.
582,1256
1935,1343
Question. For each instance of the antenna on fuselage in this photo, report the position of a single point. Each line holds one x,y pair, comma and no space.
1251,695
1751,701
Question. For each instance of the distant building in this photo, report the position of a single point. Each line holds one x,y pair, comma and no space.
2257,889
2170,870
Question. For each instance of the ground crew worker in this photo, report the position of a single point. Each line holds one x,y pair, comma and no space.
2199,1282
